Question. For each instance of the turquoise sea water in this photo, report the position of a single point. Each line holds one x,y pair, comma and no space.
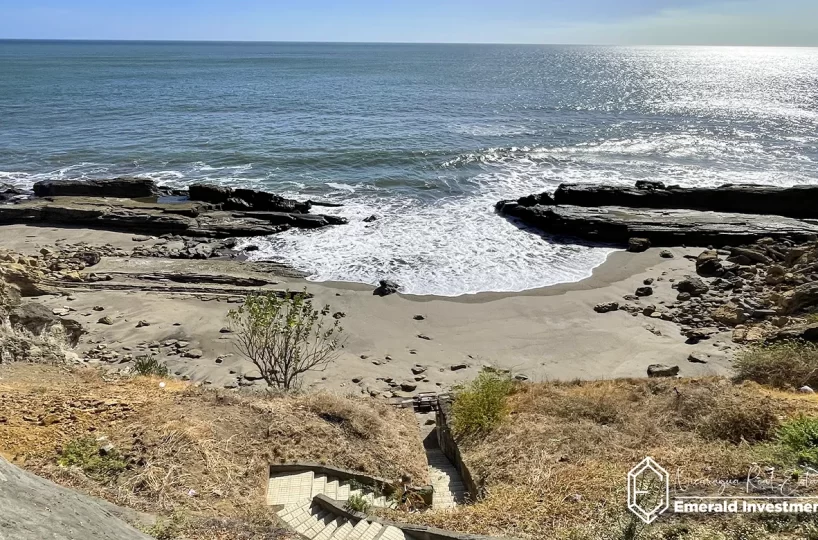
426,137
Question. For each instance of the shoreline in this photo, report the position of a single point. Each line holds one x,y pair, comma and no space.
552,333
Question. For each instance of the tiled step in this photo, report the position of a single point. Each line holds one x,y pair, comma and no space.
289,488
342,494
319,485
321,518
331,489
342,532
358,530
372,531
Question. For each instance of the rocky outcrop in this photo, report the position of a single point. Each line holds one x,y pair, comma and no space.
32,508
9,192
386,287
246,199
39,320
796,202
618,225
135,188
187,218
762,291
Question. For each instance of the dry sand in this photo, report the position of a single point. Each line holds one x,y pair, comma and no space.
545,334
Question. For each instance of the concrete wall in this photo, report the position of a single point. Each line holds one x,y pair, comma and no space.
445,439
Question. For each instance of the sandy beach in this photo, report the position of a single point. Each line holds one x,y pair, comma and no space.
545,334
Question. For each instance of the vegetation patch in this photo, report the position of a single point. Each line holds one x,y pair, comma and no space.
555,468
358,503
102,463
202,453
481,405
800,436
787,364
285,337
148,365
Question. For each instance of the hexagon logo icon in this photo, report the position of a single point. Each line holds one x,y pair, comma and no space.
648,490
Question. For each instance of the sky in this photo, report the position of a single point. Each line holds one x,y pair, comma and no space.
650,22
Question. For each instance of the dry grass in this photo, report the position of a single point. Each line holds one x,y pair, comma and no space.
788,364
556,468
191,450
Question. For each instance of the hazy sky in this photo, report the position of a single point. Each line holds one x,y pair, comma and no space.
696,22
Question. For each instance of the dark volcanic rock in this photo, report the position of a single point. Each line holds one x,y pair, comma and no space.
531,200
662,227
302,221
127,188
797,202
709,264
246,199
606,307
644,291
694,286
210,193
386,287
638,245
187,218
9,192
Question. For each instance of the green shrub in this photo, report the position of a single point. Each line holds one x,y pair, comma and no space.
148,365
285,337
98,463
358,503
800,436
788,364
171,528
480,406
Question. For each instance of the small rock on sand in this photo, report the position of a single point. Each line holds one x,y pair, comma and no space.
697,358
661,370
606,307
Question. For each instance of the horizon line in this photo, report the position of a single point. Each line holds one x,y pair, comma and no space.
250,41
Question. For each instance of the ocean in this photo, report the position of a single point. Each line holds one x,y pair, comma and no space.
424,137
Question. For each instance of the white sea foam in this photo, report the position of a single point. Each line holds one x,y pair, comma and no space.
457,245
451,246
341,187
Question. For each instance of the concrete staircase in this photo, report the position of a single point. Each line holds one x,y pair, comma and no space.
299,488
449,489
295,492
315,523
